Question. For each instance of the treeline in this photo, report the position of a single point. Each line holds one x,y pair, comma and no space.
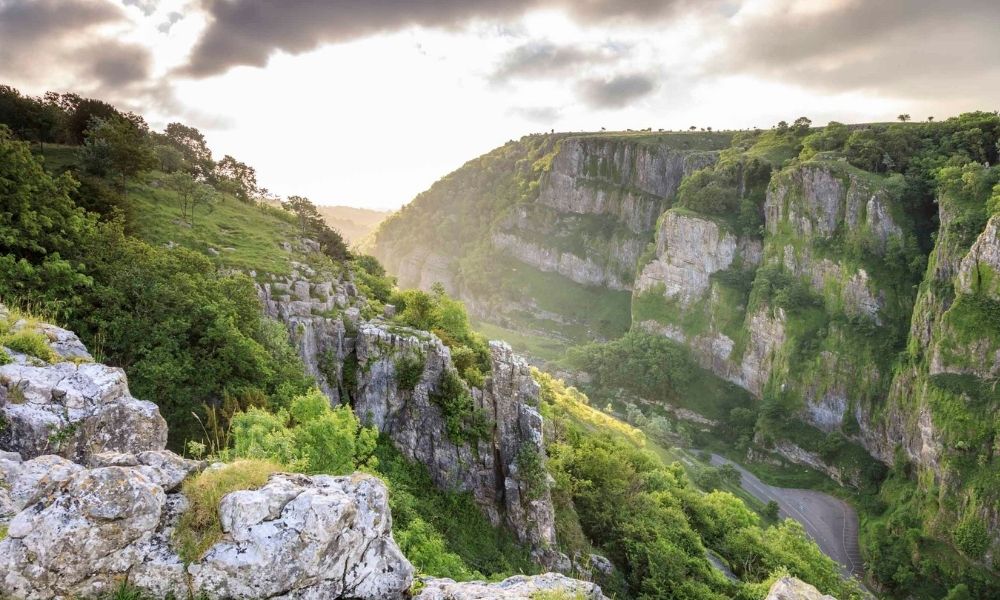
114,148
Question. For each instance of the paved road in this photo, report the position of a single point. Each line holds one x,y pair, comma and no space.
831,522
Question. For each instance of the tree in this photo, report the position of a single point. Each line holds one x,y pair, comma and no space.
237,178
771,510
903,117
191,144
801,125
119,149
191,192
693,128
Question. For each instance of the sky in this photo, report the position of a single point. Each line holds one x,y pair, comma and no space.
368,102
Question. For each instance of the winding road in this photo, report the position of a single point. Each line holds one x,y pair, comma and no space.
829,521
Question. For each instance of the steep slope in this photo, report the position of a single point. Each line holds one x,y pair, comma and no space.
843,276
542,234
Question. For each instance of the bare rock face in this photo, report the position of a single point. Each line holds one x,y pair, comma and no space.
78,531
689,250
488,467
73,408
305,537
790,588
515,588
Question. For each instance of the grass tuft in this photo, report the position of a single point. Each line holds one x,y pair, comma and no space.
199,527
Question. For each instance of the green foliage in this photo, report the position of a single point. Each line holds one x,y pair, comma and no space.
409,370
465,423
311,437
655,368
117,148
447,319
972,537
445,533
199,526
655,525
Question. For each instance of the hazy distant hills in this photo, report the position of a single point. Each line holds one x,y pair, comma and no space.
353,223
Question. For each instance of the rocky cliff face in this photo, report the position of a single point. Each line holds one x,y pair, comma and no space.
79,531
581,215
67,404
358,361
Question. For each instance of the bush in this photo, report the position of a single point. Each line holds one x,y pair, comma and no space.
311,437
463,421
972,537
199,527
409,370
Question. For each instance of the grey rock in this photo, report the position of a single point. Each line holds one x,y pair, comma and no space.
790,588
521,587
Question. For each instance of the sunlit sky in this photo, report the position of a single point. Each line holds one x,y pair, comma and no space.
368,102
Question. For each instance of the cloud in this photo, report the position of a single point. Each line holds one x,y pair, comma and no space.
115,65
540,59
896,48
30,22
538,114
616,91
247,32
148,7
167,25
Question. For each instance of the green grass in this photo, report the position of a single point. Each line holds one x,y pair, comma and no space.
199,527
593,312
58,157
535,346
247,237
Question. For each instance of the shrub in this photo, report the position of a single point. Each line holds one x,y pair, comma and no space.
409,369
971,537
199,527
4,357
463,421
311,438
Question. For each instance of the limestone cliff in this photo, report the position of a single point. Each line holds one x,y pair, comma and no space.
358,361
520,232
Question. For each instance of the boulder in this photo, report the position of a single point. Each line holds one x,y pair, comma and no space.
521,587
790,588
305,537
74,408
81,531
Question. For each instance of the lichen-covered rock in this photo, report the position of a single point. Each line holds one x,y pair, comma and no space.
520,587
305,537
790,588
72,408
77,539
81,531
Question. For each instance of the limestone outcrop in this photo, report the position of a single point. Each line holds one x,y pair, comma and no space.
515,588
790,588
357,361
78,531
71,406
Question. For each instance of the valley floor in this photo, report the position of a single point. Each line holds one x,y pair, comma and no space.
831,522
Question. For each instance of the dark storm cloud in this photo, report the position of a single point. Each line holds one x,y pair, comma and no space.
909,48
28,22
115,65
540,59
247,32
616,91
